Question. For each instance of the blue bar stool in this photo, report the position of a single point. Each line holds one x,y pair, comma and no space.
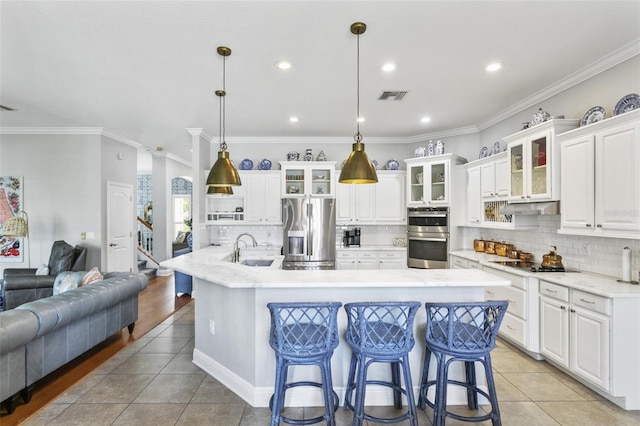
380,332
464,332
303,334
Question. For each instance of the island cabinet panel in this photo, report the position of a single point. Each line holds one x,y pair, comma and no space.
600,186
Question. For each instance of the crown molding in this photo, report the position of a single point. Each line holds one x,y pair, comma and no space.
614,58
93,131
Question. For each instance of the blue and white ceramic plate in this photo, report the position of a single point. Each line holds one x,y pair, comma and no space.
484,152
496,148
594,115
265,164
246,164
627,103
393,164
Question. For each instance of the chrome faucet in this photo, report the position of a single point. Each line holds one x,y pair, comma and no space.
236,249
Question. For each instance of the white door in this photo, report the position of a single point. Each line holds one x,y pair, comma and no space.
119,227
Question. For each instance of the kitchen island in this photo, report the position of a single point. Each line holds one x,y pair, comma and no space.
232,321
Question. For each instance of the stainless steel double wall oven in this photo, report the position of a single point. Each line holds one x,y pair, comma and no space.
428,237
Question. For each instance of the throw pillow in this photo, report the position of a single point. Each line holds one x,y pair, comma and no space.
66,283
181,236
43,270
91,276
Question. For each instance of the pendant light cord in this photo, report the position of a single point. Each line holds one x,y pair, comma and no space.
223,106
358,136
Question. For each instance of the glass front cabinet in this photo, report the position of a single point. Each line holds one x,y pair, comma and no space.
534,165
429,179
308,178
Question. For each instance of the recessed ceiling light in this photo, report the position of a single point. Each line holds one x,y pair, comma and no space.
425,120
494,66
283,65
360,119
293,119
388,67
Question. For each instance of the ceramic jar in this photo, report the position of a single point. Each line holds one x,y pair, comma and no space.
308,156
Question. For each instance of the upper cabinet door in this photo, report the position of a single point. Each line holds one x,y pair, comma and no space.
308,178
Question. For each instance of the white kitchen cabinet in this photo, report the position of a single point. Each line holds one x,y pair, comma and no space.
262,197
429,179
346,260
520,325
494,177
370,259
390,205
575,332
308,178
474,200
355,204
381,203
600,186
392,259
533,159
457,262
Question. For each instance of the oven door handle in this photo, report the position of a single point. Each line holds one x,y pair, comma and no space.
428,239
426,215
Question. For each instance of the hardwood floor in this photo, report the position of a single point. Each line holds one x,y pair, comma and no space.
155,304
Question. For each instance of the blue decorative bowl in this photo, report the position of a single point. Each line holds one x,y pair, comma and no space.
265,164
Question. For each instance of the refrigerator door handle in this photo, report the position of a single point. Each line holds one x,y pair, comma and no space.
310,237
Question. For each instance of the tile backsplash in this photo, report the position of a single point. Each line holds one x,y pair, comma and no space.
371,235
590,254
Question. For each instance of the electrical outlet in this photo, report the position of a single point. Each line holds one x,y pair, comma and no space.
212,327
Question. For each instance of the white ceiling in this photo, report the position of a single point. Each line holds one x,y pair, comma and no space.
146,70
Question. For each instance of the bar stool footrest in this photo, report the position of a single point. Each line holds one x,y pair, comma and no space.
336,404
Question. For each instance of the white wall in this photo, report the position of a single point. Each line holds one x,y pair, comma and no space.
61,190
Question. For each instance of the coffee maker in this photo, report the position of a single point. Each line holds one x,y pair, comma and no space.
351,237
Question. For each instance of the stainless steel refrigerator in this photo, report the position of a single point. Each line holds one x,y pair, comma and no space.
309,233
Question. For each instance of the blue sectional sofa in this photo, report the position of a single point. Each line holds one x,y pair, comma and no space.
40,336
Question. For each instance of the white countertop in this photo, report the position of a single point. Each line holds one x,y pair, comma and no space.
593,283
209,264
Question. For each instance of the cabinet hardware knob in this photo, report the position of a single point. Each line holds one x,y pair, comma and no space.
563,307
599,225
573,311
588,225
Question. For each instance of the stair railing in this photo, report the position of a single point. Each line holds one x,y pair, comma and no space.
145,237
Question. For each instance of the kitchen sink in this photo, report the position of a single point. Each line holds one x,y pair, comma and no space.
257,262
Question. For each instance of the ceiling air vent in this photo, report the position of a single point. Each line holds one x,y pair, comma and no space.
392,95
6,108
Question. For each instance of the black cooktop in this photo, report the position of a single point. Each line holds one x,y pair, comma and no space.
530,266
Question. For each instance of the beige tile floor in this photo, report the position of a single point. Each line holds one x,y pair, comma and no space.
153,382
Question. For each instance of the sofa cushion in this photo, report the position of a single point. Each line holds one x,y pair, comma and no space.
61,258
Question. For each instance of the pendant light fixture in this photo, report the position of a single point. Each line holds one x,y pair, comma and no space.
223,190
358,168
223,173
